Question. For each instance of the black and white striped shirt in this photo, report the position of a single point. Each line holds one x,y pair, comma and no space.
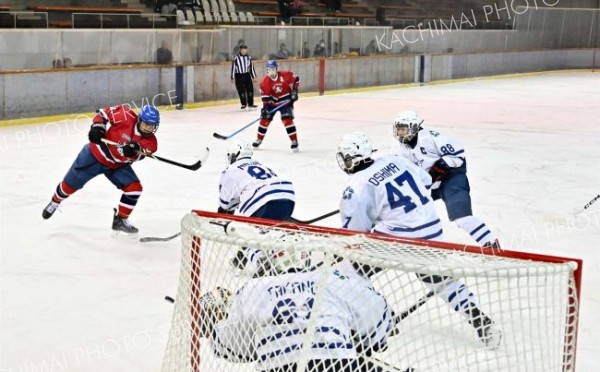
242,65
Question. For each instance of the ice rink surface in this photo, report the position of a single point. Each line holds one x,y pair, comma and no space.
74,298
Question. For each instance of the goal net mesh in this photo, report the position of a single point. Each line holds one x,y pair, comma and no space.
533,303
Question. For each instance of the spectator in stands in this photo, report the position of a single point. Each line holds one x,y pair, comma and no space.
283,52
285,9
163,54
320,50
305,50
185,5
166,7
334,5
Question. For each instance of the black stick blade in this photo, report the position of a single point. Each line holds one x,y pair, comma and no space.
219,136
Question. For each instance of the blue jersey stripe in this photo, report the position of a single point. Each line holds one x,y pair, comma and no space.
248,205
482,236
477,229
413,229
432,236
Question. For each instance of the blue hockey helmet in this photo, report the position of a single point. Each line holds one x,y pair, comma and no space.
149,119
272,64
272,67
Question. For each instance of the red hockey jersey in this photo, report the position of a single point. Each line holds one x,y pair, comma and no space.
274,91
122,129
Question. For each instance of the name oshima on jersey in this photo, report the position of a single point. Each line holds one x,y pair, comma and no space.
383,173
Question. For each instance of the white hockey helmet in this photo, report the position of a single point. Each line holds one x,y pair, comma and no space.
239,150
354,149
288,256
406,126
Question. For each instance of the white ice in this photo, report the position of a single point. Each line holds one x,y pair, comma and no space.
73,298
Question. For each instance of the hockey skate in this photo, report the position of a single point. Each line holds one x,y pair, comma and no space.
121,224
50,209
243,107
256,143
252,107
493,245
488,334
295,146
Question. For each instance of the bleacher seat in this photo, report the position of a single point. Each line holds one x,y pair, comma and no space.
234,18
199,18
230,6
242,17
250,17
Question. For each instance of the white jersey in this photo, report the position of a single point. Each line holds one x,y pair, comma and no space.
431,146
268,318
248,185
392,196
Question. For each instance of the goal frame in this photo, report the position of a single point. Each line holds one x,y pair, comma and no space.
572,330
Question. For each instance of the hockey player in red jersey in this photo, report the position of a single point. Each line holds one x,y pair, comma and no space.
275,87
135,133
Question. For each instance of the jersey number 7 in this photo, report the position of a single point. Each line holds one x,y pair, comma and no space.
397,193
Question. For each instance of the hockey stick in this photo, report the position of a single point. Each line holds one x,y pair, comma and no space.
316,219
149,239
276,108
589,204
192,167
153,239
403,315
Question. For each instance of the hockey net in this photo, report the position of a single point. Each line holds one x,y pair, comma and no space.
532,299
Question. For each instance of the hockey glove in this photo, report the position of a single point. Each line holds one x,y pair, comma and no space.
131,149
221,210
294,96
213,308
439,170
96,133
264,113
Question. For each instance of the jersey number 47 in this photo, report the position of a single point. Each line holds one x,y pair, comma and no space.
398,192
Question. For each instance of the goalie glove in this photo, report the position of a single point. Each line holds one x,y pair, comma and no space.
214,307
439,170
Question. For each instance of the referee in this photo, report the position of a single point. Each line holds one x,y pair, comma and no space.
243,73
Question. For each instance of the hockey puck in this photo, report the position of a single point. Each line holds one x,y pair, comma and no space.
169,299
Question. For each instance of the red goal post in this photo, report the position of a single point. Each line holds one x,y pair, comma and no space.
534,298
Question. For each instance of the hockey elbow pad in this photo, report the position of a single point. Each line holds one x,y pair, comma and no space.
439,170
